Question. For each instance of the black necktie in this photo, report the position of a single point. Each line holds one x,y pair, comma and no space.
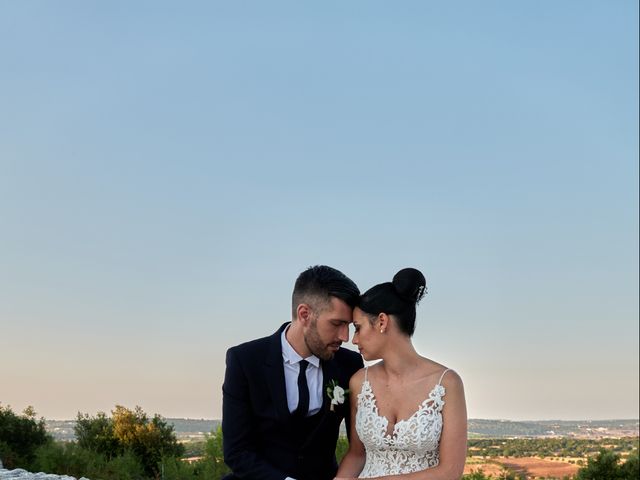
303,391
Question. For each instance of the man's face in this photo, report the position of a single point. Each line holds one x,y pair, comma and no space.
328,329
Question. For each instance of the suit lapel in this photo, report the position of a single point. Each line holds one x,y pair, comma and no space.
274,373
329,372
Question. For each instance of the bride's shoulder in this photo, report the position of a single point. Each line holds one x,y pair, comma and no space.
442,374
451,379
357,379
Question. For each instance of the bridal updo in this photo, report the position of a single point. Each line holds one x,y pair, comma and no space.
398,298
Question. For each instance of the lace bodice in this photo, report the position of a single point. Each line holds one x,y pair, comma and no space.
413,445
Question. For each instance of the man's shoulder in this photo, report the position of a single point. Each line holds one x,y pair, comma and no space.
255,346
251,346
348,358
345,353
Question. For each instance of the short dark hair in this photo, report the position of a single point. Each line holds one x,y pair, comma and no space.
316,285
398,298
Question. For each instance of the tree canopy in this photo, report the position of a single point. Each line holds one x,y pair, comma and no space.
20,436
149,439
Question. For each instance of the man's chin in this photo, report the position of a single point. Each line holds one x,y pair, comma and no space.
332,350
328,353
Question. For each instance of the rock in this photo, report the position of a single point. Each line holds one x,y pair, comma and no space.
20,474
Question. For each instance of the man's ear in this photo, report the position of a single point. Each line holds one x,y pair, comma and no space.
303,314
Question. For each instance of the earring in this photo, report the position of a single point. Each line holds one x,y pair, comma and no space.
381,330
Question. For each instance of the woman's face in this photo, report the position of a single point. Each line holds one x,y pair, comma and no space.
367,337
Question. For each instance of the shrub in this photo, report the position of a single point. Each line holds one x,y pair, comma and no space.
72,459
341,447
475,475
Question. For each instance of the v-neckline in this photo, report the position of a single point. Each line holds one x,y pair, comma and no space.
404,420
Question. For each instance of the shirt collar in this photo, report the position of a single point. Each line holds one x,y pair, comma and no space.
289,355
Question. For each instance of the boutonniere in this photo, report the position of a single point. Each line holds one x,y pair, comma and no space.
336,393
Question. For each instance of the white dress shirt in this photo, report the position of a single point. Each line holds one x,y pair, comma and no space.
291,361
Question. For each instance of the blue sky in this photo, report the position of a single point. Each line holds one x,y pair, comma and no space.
167,169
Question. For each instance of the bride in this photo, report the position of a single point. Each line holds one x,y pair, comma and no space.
408,412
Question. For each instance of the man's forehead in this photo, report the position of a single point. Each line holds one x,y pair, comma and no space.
338,303
338,310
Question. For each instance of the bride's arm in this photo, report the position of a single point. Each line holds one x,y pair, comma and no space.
353,462
453,441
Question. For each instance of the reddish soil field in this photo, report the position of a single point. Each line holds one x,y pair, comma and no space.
487,468
532,467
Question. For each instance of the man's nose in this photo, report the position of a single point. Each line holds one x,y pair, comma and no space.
344,333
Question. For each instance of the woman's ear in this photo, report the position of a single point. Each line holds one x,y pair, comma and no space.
383,322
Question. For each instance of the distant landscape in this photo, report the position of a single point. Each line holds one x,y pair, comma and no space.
550,449
188,429
192,449
586,429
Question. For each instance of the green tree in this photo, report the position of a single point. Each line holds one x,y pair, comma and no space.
606,466
20,437
214,454
150,440
631,467
96,434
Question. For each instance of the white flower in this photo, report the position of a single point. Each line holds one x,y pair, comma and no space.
338,395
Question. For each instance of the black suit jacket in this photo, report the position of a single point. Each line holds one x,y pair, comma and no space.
261,439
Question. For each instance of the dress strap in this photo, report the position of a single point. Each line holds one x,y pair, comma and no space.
366,369
442,376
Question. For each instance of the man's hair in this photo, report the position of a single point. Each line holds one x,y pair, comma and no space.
316,285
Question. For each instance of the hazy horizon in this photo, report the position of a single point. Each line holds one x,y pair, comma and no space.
470,419
168,169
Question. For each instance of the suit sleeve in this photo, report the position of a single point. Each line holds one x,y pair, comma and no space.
238,426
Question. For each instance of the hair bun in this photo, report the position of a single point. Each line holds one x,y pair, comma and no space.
410,284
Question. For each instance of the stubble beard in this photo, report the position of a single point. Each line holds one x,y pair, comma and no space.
314,342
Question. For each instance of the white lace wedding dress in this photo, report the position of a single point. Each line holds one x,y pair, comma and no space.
413,445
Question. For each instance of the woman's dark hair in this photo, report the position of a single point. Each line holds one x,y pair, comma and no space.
398,298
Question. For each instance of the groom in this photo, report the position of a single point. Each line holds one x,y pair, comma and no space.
277,418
